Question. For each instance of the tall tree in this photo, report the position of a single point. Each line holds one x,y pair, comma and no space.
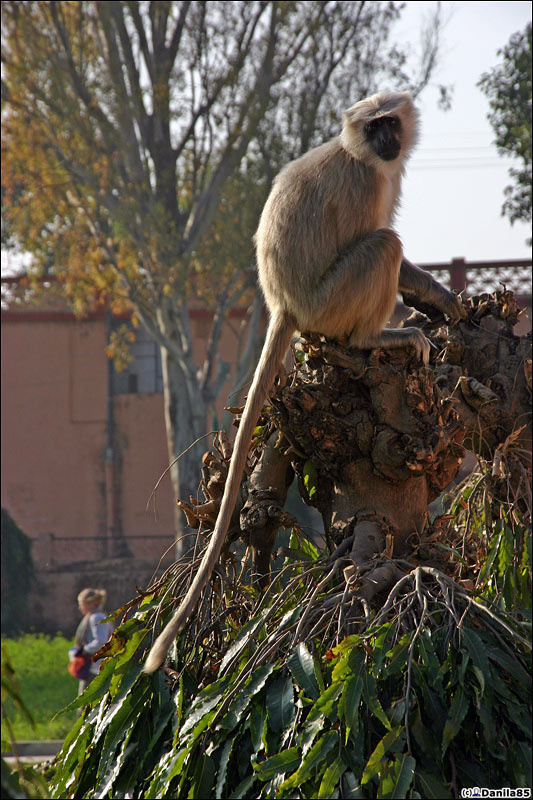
508,88
131,129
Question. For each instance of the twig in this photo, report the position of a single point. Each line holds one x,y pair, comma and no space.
410,664
318,588
154,490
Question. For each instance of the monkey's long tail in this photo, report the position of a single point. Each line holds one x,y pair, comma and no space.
280,331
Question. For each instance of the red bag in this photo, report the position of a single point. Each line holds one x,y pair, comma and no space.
79,667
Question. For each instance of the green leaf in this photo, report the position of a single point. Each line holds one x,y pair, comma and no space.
458,710
73,756
505,552
527,555
310,476
425,737
397,658
309,733
427,659
178,702
512,665
347,644
302,666
374,762
312,760
351,661
118,732
486,570
307,546
223,766
203,703
478,654
351,698
280,703
397,777
380,645
204,778
331,778
242,789
170,766
370,694
192,719
350,787
431,787
253,685
521,752
245,636
258,714
287,761
433,705
488,722
327,703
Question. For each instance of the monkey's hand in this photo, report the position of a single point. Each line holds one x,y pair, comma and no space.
436,304
421,291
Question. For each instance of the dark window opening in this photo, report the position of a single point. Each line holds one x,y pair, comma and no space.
143,375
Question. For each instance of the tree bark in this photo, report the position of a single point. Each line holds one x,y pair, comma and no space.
185,418
383,443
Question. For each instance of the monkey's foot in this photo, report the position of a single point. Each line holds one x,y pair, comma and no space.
416,339
399,337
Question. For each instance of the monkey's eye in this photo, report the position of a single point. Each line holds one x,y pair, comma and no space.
372,127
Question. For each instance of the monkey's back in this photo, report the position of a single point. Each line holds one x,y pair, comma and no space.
316,209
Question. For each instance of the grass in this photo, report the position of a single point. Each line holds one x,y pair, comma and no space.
45,686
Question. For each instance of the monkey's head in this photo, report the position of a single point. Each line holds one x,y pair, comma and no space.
381,130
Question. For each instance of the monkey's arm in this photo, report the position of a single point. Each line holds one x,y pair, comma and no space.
420,290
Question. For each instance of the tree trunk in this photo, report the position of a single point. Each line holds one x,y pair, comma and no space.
185,418
379,442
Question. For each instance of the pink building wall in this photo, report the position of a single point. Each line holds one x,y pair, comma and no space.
54,385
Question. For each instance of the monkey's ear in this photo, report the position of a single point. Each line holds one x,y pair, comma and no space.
352,115
404,99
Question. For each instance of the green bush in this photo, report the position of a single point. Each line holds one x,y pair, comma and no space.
285,694
433,696
40,665
17,575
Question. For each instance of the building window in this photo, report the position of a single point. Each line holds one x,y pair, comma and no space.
143,375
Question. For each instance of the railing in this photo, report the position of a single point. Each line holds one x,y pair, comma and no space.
485,276
457,274
51,551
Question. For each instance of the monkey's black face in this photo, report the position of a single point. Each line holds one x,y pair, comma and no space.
384,136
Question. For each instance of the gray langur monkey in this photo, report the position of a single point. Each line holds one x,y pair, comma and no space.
328,262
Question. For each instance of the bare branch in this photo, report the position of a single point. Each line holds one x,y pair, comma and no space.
177,34
227,299
133,8
136,97
77,82
124,104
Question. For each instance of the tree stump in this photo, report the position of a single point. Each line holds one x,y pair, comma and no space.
375,436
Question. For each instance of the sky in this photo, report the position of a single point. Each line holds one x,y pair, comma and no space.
455,180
